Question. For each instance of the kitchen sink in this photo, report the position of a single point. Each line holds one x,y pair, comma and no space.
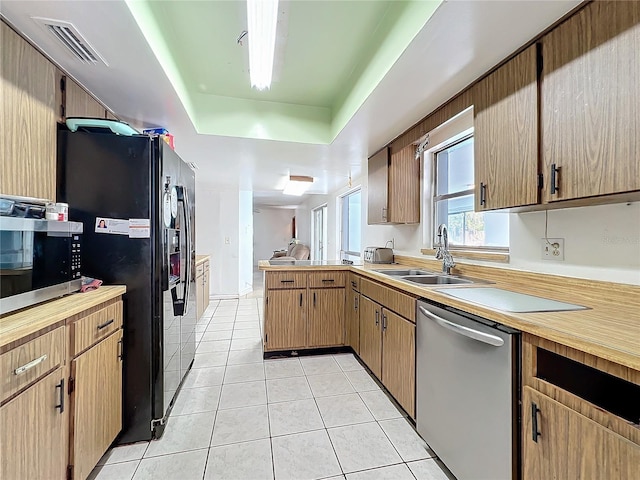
436,280
404,273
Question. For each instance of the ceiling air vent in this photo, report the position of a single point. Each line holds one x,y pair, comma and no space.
66,33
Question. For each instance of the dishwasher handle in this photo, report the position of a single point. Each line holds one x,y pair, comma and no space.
462,330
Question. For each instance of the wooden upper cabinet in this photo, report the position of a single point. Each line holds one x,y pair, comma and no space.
394,187
78,103
506,135
28,116
377,194
591,102
404,186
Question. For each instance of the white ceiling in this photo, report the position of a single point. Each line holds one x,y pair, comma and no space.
462,40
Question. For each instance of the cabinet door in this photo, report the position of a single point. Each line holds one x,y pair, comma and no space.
590,107
506,135
96,403
370,335
285,319
79,103
326,317
353,320
33,432
570,445
28,117
404,186
399,359
378,185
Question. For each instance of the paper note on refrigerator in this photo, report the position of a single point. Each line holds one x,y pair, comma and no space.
139,228
113,226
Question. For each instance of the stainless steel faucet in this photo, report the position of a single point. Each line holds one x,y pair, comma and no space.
442,250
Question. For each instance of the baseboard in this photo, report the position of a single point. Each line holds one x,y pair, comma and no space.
246,291
224,296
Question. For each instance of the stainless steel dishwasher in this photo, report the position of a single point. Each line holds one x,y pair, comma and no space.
467,392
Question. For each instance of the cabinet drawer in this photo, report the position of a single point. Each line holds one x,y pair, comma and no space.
286,280
354,281
27,363
394,300
327,279
92,328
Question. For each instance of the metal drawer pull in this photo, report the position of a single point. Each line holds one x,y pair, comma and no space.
353,284
300,299
462,330
328,280
287,281
377,317
534,422
105,324
120,349
30,365
384,322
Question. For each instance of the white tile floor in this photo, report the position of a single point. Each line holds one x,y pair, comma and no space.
241,417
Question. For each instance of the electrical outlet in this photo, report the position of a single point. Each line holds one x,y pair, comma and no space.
553,249
227,240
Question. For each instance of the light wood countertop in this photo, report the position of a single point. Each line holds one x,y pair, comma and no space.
202,258
52,314
609,329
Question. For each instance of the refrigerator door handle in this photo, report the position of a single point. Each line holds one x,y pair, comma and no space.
188,243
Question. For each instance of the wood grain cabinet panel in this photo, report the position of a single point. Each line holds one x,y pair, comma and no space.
370,336
506,135
33,433
285,280
285,319
399,359
326,279
28,116
96,403
90,329
352,327
590,102
569,445
78,103
399,302
404,186
326,317
378,185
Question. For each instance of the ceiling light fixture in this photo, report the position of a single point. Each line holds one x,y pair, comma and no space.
297,185
262,16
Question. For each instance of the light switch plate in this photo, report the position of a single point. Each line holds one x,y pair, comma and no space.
553,249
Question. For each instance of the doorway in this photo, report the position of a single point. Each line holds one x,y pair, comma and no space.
319,232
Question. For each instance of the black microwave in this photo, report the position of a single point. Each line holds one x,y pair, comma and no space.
39,260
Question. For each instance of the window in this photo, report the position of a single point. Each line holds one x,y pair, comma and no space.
351,224
453,201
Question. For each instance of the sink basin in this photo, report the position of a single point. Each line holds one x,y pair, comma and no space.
435,280
403,273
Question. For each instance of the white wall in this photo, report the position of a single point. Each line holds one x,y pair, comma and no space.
272,231
245,242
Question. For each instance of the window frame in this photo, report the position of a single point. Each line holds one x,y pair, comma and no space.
344,230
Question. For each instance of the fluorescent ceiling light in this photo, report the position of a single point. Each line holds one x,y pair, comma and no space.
297,185
262,16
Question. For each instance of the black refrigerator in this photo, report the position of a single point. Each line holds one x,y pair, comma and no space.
135,197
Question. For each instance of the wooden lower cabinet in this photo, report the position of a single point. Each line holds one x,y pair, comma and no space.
33,432
352,320
570,445
96,403
370,335
399,359
326,317
285,319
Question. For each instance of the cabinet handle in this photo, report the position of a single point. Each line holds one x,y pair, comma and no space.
483,194
120,349
555,188
377,318
355,303
384,322
105,324
61,387
30,365
534,422
301,299
314,299
353,284
328,280
286,281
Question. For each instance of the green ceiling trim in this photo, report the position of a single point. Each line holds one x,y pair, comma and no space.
251,117
239,117
399,32
141,11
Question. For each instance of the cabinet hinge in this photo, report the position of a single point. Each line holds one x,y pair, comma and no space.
71,386
540,181
69,472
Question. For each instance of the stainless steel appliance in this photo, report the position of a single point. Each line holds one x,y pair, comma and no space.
467,392
39,260
378,255
136,197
